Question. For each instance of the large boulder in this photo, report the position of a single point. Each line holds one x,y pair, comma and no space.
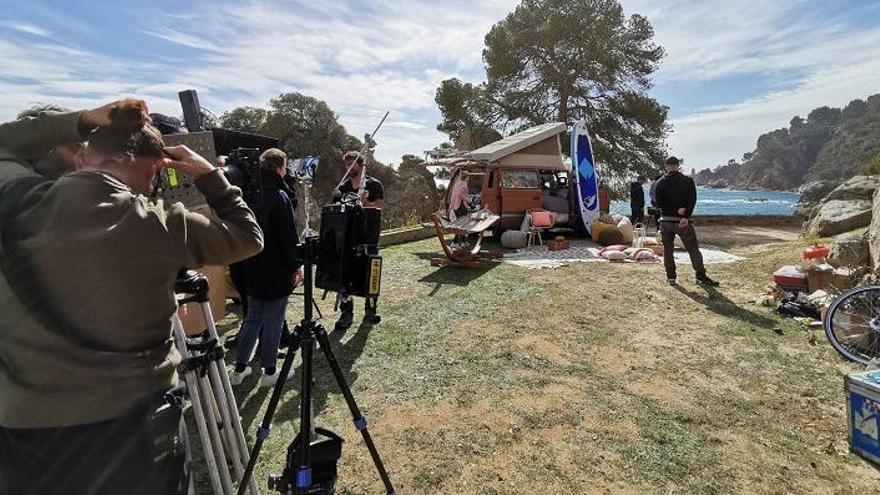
874,234
836,217
859,188
851,250
811,193
846,208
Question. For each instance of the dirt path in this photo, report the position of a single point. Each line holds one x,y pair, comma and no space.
593,378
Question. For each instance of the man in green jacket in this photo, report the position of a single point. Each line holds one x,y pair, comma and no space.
87,271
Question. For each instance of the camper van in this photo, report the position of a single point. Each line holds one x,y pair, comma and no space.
523,172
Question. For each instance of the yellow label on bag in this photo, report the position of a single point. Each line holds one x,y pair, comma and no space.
375,275
172,178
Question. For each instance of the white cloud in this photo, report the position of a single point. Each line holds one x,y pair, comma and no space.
803,45
366,57
27,28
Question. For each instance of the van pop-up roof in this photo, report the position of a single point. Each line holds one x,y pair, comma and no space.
534,148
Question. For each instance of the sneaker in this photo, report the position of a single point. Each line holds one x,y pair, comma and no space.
672,282
236,377
708,282
372,317
271,380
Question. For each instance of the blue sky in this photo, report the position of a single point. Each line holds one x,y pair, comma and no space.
733,70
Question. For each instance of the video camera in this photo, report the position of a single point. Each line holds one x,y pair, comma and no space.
243,170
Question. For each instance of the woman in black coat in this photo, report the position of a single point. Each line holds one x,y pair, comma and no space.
270,275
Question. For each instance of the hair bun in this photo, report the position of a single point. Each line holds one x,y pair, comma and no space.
129,114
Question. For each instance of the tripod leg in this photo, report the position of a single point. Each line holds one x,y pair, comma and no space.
266,425
232,418
359,421
204,387
198,411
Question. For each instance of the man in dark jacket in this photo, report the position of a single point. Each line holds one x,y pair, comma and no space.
88,266
676,196
271,275
637,199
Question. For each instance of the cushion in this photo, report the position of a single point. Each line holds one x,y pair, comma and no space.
598,227
614,255
541,219
514,239
611,236
626,227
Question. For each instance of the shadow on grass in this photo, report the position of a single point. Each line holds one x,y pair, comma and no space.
720,304
451,275
324,381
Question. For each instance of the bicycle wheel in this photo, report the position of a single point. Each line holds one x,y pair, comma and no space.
852,324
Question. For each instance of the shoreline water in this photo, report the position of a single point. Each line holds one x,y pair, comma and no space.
733,202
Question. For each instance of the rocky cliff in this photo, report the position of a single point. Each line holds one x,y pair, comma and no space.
828,147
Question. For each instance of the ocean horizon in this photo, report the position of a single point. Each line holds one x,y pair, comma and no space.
733,202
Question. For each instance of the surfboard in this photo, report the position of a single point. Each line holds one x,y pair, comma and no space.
583,173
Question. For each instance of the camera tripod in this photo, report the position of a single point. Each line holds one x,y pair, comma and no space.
298,472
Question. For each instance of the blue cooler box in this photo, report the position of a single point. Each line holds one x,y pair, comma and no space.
863,413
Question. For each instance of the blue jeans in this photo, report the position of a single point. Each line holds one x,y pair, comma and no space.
268,315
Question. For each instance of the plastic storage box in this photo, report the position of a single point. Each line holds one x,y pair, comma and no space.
791,278
863,413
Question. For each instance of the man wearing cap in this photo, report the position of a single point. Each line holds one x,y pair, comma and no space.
373,196
676,196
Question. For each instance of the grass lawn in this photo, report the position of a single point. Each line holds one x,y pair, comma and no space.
593,378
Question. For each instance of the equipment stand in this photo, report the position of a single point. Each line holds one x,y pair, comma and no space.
207,385
297,477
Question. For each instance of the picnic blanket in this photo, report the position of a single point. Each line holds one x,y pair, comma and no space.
584,251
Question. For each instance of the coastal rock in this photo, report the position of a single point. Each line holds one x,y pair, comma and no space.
874,234
859,188
846,208
837,216
813,192
851,250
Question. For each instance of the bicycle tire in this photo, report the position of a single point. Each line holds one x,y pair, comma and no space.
865,346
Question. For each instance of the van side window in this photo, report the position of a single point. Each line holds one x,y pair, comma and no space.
520,179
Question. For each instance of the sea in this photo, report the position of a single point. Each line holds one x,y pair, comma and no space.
732,202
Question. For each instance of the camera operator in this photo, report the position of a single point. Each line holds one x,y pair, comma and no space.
270,276
89,266
373,197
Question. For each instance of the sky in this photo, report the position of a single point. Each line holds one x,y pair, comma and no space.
732,71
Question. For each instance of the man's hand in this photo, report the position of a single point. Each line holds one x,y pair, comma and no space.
298,277
683,223
90,119
682,211
187,161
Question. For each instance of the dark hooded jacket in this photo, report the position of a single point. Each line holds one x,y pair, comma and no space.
269,275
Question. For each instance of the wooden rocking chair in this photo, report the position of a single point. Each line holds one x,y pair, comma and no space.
475,223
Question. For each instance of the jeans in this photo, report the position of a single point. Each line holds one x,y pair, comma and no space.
689,237
270,316
120,455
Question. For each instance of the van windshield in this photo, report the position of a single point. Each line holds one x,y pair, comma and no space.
520,179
